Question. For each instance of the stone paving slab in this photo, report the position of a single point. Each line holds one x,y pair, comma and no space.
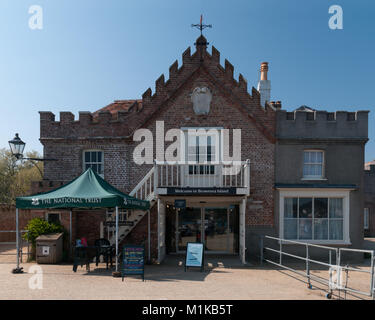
223,279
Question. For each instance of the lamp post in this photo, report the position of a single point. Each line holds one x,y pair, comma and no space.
16,147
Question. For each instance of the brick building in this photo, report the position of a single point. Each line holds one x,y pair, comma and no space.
288,183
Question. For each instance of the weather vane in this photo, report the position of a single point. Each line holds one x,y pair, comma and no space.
201,26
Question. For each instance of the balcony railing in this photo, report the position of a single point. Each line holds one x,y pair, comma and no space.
202,175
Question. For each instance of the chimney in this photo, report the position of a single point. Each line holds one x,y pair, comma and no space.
264,85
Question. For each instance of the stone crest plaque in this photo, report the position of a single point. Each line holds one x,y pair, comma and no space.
201,98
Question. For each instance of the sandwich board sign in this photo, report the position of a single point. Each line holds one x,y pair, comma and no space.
194,255
133,261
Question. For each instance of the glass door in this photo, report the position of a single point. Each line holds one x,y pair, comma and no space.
215,227
189,222
218,230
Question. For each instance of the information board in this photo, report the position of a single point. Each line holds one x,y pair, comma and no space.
194,255
180,203
133,260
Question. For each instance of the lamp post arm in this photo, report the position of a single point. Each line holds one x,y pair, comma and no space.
32,160
38,159
35,165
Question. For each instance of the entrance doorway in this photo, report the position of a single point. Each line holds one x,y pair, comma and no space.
216,227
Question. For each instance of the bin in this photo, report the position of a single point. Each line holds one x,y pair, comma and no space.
49,248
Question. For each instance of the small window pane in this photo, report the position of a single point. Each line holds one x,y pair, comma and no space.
87,156
312,157
290,228
320,170
321,229
366,218
305,228
319,157
336,229
100,156
290,207
321,208
335,208
306,157
305,207
93,157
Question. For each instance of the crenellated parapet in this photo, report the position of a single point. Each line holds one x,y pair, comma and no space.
86,126
322,125
125,122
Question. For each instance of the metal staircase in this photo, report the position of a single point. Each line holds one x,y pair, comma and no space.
144,190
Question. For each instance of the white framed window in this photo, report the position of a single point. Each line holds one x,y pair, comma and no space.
122,215
315,216
94,159
53,217
366,218
313,164
202,146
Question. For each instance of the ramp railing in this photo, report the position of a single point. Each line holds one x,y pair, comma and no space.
336,271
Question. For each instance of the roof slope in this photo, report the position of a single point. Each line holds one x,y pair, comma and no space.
119,105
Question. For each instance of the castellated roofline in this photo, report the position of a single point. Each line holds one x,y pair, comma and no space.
322,124
131,117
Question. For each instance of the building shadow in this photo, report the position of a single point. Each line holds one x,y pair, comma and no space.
173,269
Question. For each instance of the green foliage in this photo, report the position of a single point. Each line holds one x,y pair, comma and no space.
38,226
16,175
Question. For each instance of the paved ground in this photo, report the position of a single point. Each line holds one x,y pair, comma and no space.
224,278
369,244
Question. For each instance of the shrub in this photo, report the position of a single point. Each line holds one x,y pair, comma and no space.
37,227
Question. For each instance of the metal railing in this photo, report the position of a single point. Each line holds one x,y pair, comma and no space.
203,175
335,280
22,244
144,190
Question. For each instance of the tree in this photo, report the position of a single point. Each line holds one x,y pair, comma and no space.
16,175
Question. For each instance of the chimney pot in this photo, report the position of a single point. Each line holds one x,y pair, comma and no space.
264,85
263,70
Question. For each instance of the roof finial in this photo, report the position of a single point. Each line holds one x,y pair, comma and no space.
201,43
201,26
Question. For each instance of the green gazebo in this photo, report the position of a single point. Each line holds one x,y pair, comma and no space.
88,190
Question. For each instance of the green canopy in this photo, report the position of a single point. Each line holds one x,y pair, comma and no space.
89,190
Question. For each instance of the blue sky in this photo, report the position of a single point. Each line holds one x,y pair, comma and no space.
92,52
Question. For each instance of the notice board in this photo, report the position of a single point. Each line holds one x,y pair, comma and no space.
133,260
194,255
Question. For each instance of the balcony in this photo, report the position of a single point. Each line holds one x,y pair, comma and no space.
202,179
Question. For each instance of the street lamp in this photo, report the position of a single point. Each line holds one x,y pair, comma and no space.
17,146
